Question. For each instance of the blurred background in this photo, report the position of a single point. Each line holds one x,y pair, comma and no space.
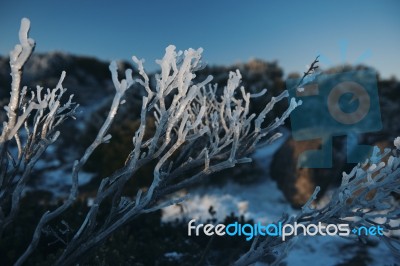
291,32
269,42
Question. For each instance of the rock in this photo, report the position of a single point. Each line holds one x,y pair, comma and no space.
297,184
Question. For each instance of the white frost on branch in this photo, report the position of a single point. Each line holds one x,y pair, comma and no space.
198,131
46,110
397,143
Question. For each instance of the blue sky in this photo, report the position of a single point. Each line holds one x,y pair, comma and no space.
292,32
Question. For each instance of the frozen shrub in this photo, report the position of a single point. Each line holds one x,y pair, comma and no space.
32,119
197,133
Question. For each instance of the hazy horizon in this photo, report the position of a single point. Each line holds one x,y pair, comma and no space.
289,32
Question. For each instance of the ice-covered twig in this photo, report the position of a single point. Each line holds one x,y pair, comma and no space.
47,111
365,198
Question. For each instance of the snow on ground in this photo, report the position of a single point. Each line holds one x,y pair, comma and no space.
59,181
233,197
56,177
